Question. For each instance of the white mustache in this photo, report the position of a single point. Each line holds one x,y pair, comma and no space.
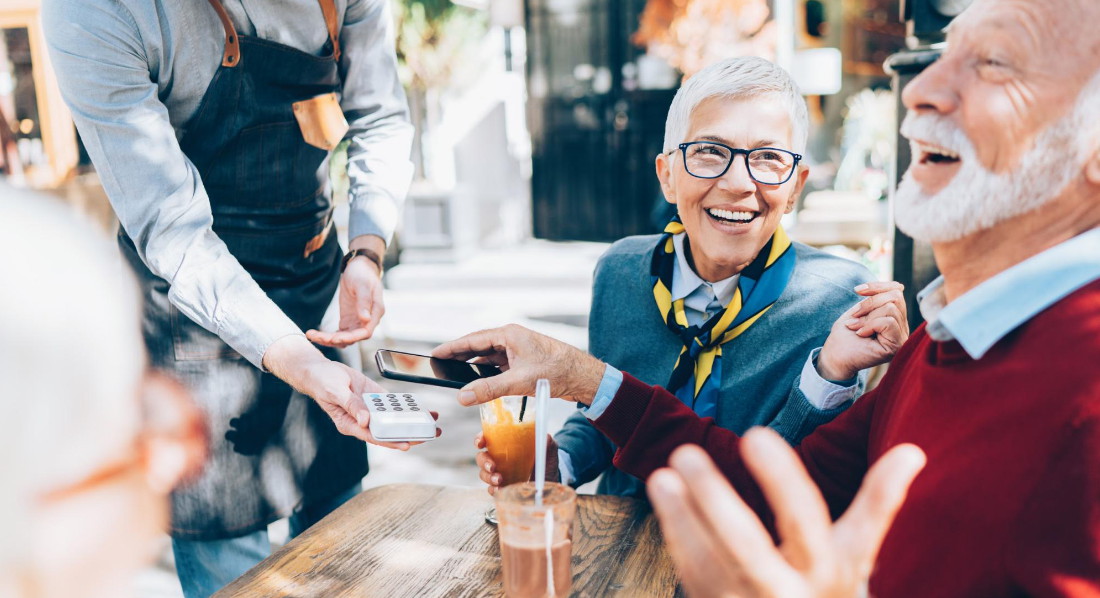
932,129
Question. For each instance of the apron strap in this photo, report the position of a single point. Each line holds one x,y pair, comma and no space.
232,55
332,21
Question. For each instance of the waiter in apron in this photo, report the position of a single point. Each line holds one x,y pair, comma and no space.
210,123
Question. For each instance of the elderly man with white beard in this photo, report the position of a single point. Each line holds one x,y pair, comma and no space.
999,390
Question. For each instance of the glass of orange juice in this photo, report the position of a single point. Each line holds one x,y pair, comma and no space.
509,430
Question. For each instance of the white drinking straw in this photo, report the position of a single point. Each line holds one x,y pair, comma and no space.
548,527
542,395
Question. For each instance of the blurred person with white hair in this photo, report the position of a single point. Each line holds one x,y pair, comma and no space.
211,124
744,325
999,388
90,443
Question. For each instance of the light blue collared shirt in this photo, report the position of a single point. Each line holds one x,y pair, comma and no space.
978,319
699,296
134,73
985,314
702,299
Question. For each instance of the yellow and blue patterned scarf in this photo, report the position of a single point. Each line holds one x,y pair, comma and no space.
697,376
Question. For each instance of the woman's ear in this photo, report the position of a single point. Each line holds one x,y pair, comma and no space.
663,164
800,177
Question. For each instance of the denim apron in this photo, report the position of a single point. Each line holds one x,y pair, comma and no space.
272,449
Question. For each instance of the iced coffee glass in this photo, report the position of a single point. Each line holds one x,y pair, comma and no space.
536,542
509,430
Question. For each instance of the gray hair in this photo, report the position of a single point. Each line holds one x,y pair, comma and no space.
747,77
71,357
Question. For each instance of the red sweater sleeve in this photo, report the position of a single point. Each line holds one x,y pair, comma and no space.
647,423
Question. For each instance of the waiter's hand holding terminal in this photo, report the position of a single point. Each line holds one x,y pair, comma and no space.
337,388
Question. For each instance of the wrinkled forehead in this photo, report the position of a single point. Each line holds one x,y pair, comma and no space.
1061,37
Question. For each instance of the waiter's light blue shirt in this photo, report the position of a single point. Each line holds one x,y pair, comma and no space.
134,73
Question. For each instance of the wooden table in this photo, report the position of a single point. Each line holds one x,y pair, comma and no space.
422,541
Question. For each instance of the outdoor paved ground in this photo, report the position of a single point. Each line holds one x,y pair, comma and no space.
543,285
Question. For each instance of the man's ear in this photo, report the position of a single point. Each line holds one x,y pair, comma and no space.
663,164
1092,168
800,178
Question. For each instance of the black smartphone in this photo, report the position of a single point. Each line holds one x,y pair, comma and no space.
422,369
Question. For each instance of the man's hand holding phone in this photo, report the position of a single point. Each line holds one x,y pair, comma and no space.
524,356
422,369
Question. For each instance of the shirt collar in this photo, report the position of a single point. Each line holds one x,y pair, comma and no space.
985,314
685,281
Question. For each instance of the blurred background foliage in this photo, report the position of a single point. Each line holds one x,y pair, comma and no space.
437,50
436,40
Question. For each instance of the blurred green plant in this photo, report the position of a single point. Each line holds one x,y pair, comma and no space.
438,43
338,173
436,40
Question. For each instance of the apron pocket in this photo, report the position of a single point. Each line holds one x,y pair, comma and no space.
276,168
322,121
284,256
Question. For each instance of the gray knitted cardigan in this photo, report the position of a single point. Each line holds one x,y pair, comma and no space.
760,368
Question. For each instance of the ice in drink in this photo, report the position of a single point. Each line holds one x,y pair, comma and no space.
509,439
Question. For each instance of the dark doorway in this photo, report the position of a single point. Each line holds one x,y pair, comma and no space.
594,131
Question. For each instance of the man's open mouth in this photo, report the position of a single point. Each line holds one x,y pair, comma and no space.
733,217
927,153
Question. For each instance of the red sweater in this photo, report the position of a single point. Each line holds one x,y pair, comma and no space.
1009,503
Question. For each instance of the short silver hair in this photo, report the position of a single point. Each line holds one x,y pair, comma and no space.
71,357
737,78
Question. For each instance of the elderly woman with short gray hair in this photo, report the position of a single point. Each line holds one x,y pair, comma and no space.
723,309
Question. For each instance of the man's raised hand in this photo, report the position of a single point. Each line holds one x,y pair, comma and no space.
721,548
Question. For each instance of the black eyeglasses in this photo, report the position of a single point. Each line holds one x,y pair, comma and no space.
766,165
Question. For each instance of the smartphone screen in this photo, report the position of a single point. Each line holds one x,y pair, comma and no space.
429,370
